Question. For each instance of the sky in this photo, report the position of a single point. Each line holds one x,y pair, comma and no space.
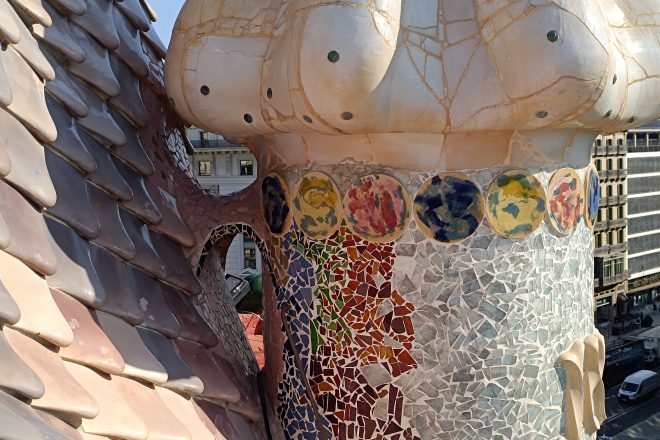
167,11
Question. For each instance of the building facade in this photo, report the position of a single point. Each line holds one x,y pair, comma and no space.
223,168
644,214
611,228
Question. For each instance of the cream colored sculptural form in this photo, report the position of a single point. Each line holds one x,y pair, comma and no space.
585,392
394,329
519,82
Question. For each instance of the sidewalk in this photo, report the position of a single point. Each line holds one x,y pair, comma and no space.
648,310
646,430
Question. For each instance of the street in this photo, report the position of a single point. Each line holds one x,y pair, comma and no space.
626,419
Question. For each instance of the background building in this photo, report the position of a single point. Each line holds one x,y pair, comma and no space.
644,214
610,230
224,168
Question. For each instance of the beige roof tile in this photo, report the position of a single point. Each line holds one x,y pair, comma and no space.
63,394
29,50
116,418
9,28
59,425
24,414
6,95
30,240
9,313
185,410
15,375
161,423
28,164
39,313
91,345
29,103
35,9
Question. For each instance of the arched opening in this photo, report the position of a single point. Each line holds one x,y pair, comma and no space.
236,302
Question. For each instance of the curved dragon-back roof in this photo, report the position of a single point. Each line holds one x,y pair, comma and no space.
99,333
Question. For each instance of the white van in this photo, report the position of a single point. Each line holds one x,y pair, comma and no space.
638,385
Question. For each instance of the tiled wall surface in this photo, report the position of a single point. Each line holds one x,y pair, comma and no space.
418,339
100,334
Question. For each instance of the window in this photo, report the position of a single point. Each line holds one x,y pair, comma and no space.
621,214
598,165
609,190
619,142
249,254
204,168
621,166
620,232
599,240
609,142
613,267
247,167
599,142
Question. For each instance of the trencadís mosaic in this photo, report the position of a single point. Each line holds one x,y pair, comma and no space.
448,207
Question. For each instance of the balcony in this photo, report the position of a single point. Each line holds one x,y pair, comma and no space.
618,223
600,150
615,279
612,201
612,149
610,224
623,149
612,174
610,249
619,248
611,280
645,147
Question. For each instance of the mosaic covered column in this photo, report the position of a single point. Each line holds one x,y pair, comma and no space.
426,200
